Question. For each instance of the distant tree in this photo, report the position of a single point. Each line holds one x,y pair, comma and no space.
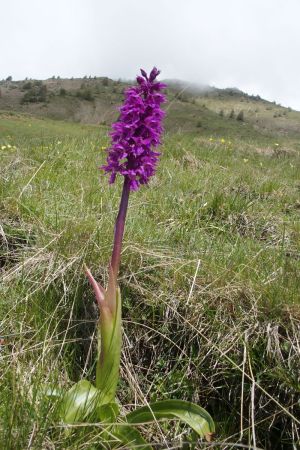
105,81
199,124
221,113
240,116
9,78
62,92
231,115
27,85
43,93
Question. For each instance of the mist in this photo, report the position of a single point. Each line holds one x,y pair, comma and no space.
252,45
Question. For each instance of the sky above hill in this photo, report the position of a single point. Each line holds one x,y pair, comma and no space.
250,44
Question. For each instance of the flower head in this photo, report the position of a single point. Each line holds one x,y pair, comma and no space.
137,132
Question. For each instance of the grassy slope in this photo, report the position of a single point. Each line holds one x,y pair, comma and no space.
210,276
192,109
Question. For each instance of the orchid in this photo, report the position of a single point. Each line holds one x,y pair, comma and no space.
134,137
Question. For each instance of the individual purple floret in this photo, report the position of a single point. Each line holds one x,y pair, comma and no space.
137,132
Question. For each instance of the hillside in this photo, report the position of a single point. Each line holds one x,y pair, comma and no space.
198,109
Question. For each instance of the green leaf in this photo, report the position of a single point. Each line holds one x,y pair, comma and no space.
130,437
107,372
190,413
108,413
79,402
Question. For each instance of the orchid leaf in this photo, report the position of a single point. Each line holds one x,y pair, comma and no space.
130,437
108,413
107,373
79,402
190,413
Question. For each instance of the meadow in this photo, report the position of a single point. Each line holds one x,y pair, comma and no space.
209,279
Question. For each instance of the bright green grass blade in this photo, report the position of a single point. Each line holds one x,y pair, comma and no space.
190,413
130,437
79,402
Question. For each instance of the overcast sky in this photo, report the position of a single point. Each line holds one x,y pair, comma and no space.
250,44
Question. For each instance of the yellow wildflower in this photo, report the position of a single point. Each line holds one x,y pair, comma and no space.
245,160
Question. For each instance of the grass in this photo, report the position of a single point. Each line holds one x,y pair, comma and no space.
210,280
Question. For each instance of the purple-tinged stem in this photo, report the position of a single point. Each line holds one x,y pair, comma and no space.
119,230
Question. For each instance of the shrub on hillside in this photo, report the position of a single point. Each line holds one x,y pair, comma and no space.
36,94
62,92
85,94
182,97
240,116
231,115
27,85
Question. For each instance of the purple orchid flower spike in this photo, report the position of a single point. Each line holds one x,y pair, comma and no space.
137,132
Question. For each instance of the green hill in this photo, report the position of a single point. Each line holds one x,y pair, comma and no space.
190,108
